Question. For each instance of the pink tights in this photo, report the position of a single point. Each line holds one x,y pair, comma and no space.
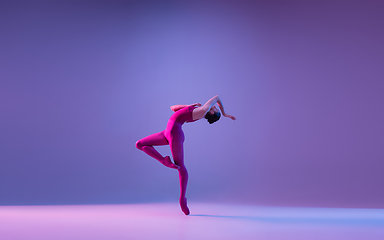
175,141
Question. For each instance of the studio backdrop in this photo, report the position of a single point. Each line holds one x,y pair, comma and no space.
81,83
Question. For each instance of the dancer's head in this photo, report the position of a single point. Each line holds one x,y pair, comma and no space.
213,115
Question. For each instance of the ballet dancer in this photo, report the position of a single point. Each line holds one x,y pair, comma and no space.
174,137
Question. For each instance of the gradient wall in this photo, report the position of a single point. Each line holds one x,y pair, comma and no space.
81,83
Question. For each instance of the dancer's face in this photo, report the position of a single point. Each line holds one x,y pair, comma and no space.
213,110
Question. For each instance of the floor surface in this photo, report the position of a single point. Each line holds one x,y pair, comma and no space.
207,221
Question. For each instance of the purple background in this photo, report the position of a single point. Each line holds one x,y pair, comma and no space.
81,83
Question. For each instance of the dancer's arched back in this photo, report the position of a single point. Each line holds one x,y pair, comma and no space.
174,137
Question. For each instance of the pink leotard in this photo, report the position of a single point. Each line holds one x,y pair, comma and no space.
173,136
174,131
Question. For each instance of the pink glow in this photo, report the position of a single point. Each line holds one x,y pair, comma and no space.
207,221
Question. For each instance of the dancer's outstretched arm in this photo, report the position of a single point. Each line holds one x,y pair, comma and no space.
200,112
222,109
176,108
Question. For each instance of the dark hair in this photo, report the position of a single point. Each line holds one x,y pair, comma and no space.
211,118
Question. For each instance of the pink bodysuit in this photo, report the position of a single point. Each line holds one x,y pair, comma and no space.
173,131
173,136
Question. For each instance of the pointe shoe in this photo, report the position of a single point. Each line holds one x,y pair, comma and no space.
168,163
183,205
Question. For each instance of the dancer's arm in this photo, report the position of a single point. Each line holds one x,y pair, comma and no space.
222,110
199,113
176,108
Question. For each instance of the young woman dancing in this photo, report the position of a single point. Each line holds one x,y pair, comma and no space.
174,137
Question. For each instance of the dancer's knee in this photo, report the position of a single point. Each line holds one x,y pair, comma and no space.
183,169
139,145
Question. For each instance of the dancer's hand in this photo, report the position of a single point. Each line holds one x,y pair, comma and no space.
196,104
229,116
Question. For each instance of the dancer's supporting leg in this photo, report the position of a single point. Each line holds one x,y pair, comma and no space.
158,139
178,156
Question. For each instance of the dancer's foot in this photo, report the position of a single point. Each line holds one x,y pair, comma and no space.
183,205
168,163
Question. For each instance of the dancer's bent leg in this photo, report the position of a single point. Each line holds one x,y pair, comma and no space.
178,156
158,139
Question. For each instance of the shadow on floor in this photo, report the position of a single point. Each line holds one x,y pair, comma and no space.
303,220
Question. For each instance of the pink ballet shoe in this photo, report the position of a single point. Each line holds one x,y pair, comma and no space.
183,205
168,163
